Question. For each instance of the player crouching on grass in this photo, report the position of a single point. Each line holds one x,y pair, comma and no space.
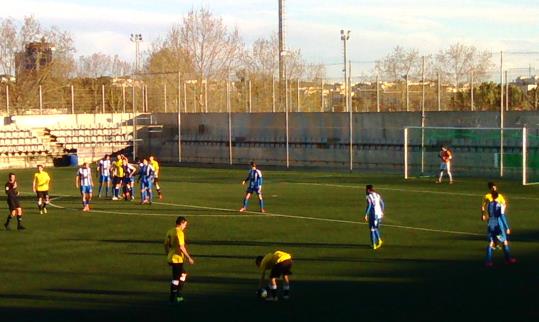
373,215
280,264
176,254
254,177
496,230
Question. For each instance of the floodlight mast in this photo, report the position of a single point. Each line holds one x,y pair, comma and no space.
137,38
345,36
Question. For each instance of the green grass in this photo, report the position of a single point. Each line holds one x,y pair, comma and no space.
109,265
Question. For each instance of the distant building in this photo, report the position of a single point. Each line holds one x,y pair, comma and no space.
36,55
526,83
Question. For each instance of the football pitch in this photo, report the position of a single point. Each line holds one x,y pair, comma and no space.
109,264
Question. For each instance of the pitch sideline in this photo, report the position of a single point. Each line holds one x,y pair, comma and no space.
256,214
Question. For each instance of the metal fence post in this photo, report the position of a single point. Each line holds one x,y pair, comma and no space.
299,105
439,93
229,111
273,93
7,99
378,93
206,95
103,98
249,97
179,119
40,100
123,98
134,124
72,99
322,95
165,96
472,91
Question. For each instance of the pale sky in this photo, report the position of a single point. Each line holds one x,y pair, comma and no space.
313,26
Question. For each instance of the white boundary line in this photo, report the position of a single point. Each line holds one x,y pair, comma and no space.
407,190
255,214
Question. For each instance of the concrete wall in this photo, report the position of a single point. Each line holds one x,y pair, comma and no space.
322,139
316,139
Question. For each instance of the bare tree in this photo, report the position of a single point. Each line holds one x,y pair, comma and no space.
398,63
8,46
214,49
459,60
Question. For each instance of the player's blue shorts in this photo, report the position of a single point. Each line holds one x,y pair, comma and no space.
85,189
103,178
257,190
126,180
146,184
496,234
374,222
443,166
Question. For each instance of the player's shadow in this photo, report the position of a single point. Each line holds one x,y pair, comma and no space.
525,235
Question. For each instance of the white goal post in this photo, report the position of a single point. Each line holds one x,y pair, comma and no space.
479,152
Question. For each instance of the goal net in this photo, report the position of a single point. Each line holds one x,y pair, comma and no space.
478,152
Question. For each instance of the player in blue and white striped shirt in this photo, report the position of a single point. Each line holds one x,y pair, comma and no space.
254,179
374,214
146,177
103,171
497,230
83,180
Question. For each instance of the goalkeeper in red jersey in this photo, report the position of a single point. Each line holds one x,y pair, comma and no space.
445,156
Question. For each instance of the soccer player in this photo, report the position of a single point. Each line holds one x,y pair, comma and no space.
155,166
488,198
445,164
496,232
83,180
254,177
13,203
118,174
128,180
103,170
40,186
280,264
146,175
176,254
374,214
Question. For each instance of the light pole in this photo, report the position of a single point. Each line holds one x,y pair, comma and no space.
345,36
136,38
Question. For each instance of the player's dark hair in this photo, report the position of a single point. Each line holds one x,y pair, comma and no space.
10,174
491,184
180,220
494,195
369,187
252,163
258,260
40,165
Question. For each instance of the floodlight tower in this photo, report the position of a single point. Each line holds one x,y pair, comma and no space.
136,38
345,36
282,53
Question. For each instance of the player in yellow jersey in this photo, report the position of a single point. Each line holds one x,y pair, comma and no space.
280,264
501,200
155,166
40,186
117,177
176,255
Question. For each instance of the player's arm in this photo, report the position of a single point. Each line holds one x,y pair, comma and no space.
368,209
248,177
34,184
383,206
184,251
77,178
166,244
